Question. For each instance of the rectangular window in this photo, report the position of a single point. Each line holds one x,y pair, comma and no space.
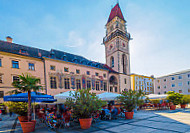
52,68
164,87
158,81
88,84
188,75
105,86
88,72
15,64
67,83
173,78
66,69
53,83
31,66
173,85
180,91
111,89
164,80
1,94
180,84
188,82
165,92
1,78
96,74
97,86
78,84
0,63
158,87
180,77
15,78
104,75
77,71
125,80
189,90
115,89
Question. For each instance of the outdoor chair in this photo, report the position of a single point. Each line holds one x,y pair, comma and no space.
96,117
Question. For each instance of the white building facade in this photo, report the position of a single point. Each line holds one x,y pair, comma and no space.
178,82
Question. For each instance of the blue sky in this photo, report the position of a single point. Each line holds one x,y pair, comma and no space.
160,29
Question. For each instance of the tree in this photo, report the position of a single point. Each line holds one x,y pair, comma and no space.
27,83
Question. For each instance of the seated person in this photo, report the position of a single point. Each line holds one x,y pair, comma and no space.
114,112
105,112
67,117
51,117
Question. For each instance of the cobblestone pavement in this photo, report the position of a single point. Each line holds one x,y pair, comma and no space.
166,121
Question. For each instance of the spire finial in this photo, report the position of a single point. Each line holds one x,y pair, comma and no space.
117,1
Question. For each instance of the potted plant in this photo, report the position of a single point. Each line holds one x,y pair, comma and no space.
84,104
19,108
184,101
155,102
27,83
174,98
131,99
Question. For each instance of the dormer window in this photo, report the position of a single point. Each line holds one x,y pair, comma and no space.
23,51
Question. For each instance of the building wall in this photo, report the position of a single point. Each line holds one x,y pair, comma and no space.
142,82
124,85
59,70
7,72
165,83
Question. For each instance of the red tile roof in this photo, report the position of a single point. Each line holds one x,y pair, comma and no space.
116,11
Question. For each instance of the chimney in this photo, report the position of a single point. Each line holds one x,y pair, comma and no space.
9,39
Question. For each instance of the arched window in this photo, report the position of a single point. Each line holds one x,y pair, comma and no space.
124,63
112,61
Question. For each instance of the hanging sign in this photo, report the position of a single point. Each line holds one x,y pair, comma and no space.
72,81
83,82
93,82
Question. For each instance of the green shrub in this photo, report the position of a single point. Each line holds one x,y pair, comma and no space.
174,97
155,101
19,108
185,99
84,104
130,99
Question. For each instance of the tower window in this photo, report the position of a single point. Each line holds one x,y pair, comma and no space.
123,44
124,63
111,46
112,62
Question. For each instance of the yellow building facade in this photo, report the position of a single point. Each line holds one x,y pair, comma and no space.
141,82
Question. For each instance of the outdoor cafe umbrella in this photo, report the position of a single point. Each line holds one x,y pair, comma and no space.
156,96
61,98
108,96
35,97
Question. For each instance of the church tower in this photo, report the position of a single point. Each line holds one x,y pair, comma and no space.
116,42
